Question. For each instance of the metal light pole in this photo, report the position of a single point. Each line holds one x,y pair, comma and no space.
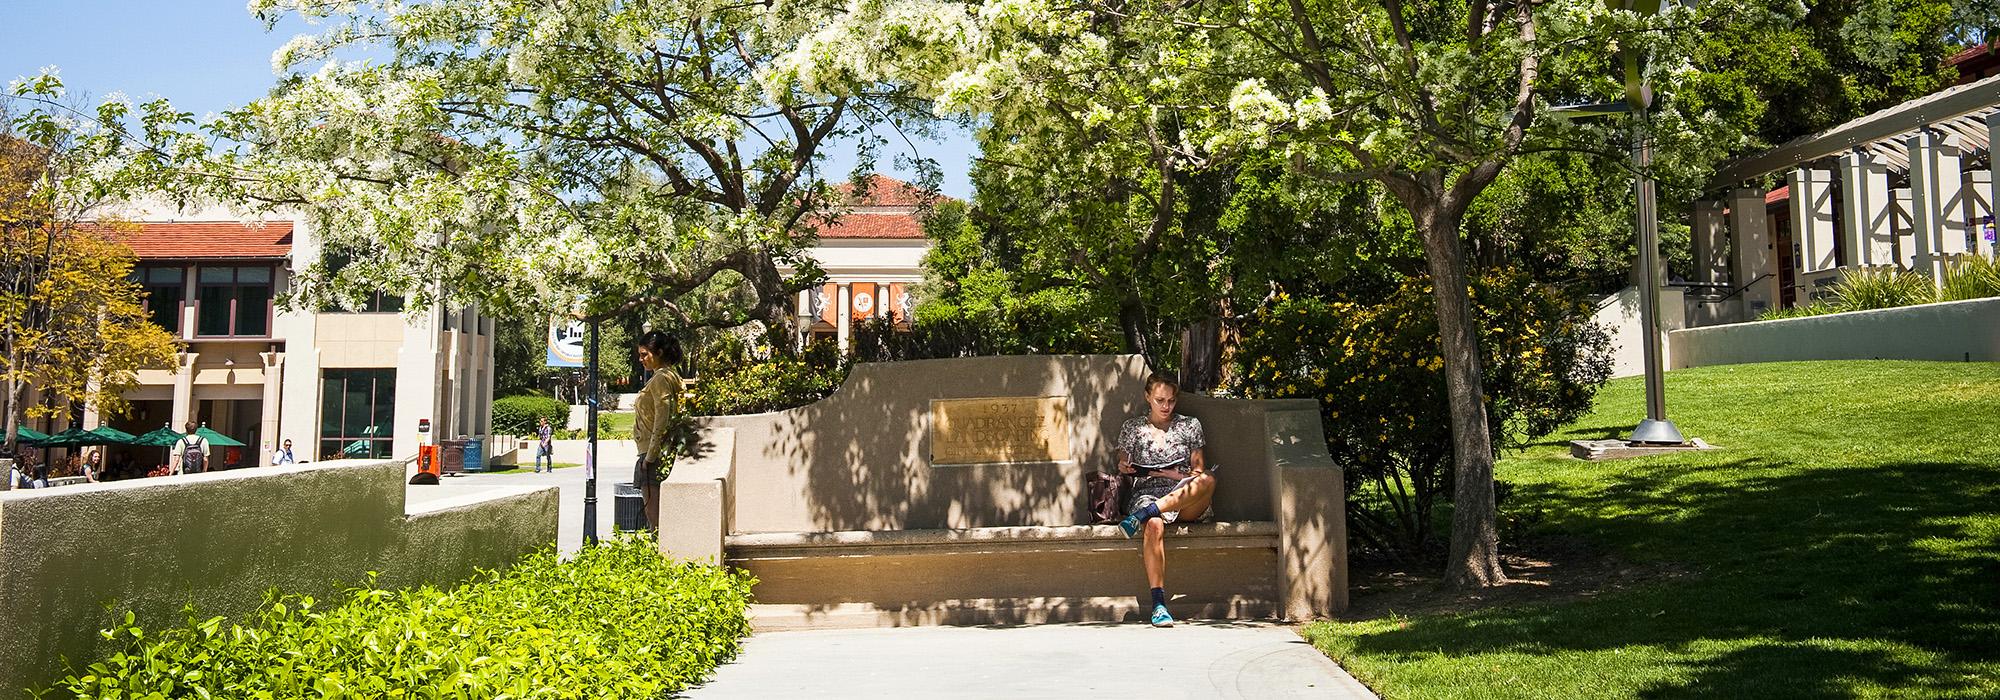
590,447
1655,429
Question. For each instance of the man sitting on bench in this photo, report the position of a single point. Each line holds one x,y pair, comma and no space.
1163,450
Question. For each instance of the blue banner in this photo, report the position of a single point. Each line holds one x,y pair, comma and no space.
566,342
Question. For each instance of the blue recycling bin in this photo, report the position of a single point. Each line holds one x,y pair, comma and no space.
475,453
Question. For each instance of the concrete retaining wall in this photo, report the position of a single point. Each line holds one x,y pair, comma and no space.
220,540
1958,331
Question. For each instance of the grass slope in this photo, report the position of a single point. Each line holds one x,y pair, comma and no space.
1845,543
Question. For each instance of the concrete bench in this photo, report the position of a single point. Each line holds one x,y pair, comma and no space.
840,512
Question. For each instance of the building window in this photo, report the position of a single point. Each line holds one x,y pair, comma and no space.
165,288
376,301
234,301
357,416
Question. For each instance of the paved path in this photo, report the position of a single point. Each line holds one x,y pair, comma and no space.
1216,660
569,533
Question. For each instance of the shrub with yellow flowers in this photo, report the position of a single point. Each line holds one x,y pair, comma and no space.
1374,366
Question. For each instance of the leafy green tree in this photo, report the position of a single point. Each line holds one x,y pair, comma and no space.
72,325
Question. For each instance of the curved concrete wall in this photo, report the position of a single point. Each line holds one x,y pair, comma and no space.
1958,331
219,541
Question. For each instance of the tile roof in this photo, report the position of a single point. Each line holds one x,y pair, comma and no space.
885,191
858,225
211,239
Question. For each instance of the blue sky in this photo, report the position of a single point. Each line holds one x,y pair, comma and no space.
210,55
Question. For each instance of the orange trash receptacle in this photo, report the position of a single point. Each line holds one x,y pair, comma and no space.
427,460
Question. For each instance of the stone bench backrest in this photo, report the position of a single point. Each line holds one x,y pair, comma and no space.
861,459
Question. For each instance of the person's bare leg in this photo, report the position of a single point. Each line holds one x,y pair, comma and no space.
1154,551
1197,492
652,507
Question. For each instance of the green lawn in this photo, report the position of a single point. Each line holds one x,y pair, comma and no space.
1845,543
620,422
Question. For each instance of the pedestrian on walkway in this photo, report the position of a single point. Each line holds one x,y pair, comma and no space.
658,404
1163,450
545,447
191,453
284,455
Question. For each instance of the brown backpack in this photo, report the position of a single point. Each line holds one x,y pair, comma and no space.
1107,498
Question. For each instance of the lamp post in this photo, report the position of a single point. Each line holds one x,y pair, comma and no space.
1656,428
590,446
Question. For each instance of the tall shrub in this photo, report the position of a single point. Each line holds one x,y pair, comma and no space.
1373,365
736,378
520,415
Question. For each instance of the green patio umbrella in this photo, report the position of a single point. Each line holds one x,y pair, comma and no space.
216,439
113,436
30,436
164,437
74,437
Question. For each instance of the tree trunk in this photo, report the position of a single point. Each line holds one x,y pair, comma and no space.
1132,320
1474,557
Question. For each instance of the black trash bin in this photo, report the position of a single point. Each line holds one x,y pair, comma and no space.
628,510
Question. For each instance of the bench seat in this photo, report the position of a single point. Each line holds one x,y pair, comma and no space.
1002,575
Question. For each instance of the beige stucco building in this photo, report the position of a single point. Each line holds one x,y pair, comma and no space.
376,382
873,258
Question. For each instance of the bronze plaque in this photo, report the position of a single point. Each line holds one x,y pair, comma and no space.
985,431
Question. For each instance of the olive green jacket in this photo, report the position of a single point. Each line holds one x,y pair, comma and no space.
657,404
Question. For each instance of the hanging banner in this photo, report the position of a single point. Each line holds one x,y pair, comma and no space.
862,296
566,337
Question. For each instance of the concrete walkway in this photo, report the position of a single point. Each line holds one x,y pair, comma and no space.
1192,660
569,481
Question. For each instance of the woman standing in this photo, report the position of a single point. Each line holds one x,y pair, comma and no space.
659,353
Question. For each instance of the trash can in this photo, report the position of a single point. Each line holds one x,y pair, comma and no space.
475,453
628,511
427,460
451,454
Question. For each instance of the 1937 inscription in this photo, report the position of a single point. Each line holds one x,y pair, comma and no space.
983,431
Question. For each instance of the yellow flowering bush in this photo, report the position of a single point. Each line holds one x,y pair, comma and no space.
1374,366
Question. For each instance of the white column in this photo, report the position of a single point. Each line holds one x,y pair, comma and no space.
1867,232
274,372
1750,252
184,391
1812,219
1903,233
1934,199
843,316
1711,242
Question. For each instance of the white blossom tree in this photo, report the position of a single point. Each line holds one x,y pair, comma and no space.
1429,101
525,154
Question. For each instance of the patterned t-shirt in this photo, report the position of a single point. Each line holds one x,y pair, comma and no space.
1148,446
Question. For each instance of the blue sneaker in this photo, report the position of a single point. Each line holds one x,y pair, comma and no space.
1161,618
1130,525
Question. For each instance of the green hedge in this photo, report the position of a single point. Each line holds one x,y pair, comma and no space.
615,621
517,415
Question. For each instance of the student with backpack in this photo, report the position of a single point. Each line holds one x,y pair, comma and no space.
191,453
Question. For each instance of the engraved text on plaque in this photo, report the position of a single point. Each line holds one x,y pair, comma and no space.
983,431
